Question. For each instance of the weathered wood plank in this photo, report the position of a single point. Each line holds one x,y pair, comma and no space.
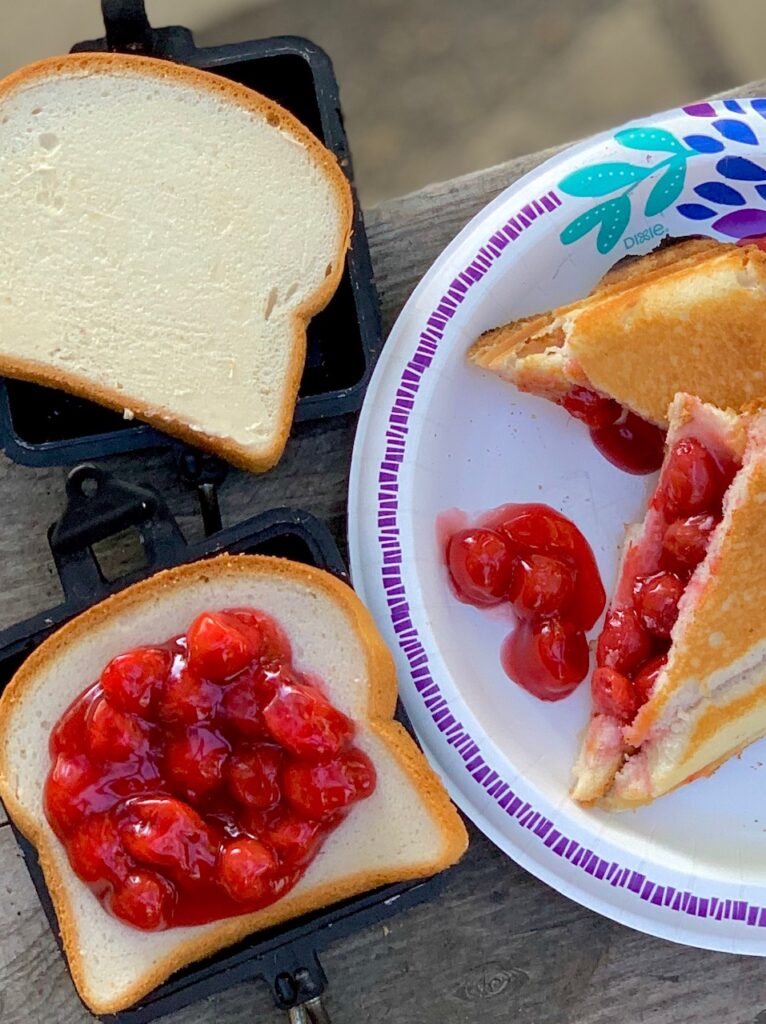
497,945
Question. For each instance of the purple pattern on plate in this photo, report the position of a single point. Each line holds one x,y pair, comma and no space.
408,638
700,110
742,223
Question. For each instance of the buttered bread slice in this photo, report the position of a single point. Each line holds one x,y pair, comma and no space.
166,236
690,317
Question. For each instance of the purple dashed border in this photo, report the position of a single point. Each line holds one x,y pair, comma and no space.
454,731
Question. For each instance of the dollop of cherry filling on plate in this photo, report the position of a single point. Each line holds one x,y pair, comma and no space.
198,778
636,638
629,442
534,559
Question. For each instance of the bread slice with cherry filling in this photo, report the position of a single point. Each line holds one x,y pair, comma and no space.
690,317
674,700
407,828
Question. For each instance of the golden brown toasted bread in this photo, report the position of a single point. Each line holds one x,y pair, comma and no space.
689,317
710,699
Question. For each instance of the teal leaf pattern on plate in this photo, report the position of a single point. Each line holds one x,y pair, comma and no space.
668,188
613,223
601,179
656,140
613,216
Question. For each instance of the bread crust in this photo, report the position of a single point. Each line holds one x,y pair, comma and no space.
129,64
382,695
580,343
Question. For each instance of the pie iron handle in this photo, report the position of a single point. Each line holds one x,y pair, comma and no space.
126,23
310,1012
100,506
128,30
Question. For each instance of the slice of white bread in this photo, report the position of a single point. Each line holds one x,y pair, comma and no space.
406,829
690,317
710,699
166,236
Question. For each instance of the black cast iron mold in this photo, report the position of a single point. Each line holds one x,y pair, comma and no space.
45,427
98,507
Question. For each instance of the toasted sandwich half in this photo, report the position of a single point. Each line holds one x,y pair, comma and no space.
680,683
687,317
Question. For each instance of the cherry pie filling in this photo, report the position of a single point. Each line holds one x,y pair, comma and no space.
685,509
625,439
197,779
534,559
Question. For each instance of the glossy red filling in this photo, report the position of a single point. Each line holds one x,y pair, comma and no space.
535,560
625,439
634,643
197,779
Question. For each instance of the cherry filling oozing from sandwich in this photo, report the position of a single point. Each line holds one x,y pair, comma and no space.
534,559
629,442
634,643
197,779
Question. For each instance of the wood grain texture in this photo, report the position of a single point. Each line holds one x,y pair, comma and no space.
498,946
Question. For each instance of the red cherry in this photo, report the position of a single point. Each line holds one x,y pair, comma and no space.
686,542
632,444
613,694
195,761
539,529
144,900
590,407
114,735
480,563
68,792
67,735
656,600
186,698
547,658
131,680
253,776
691,481
646,677
245,698
541,585
272,639
316,790
294,839
166,833
96,852
219,646
243,864
624,643
302,721
757,240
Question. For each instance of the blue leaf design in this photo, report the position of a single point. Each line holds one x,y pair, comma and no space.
667,189
656,140
759,106
719,192
695,211
737,131
704,143
733,106
739,168
614,221
761,190
600,179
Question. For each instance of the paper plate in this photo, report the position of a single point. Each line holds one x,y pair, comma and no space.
436,434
